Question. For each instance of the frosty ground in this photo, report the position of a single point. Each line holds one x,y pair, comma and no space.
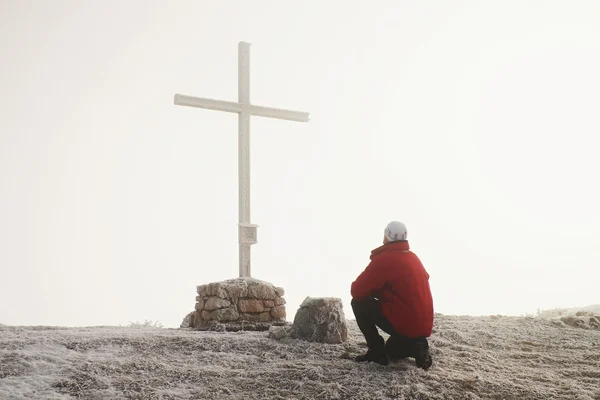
490,357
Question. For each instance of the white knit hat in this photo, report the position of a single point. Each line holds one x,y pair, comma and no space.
396,230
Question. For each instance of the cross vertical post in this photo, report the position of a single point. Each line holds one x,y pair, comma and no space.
244,155
246,230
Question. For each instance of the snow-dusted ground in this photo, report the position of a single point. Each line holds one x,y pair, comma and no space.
474,357
556,312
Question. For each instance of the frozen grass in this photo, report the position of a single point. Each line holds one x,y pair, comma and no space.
559,312
474,358
145,324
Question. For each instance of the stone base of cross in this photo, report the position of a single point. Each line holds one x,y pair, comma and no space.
247,232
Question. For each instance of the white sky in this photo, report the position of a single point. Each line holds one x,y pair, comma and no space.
476,123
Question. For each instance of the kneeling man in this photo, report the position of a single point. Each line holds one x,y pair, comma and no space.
393,293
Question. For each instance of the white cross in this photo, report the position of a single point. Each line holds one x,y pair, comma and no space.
246,231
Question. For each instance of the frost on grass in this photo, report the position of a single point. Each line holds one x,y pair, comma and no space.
474,358
586,318
146,324
564,312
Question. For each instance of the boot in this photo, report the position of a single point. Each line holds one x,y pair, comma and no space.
422,356
397,348
375,354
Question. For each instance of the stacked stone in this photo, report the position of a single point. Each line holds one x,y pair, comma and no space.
243,303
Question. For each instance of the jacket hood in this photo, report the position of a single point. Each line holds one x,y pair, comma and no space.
400,245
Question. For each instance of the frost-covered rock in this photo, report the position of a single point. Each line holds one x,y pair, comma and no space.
225,314
279,332
216,303
251,306
187,321
582,320
278,312
239,304
262,291
320,319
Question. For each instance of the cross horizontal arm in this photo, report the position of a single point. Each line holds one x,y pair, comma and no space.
230,106
279,113
210,104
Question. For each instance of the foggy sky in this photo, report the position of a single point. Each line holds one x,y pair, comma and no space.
475,123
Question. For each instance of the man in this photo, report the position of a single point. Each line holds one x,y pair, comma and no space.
393,293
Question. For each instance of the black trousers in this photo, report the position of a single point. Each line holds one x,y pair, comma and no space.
369,316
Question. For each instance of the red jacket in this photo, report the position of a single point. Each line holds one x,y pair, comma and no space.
398,279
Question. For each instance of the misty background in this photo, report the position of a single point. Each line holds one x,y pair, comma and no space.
475,123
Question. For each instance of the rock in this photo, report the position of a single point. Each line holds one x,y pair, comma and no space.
279,291
320,319
215,303
257,317
202,290
558,322
262,291
251,306
237,304
321,302
278,332
217,289
583,322
279,301
210,326
278,312
188,321
236,288
264,317
200,304
269,303
225,314
249,317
